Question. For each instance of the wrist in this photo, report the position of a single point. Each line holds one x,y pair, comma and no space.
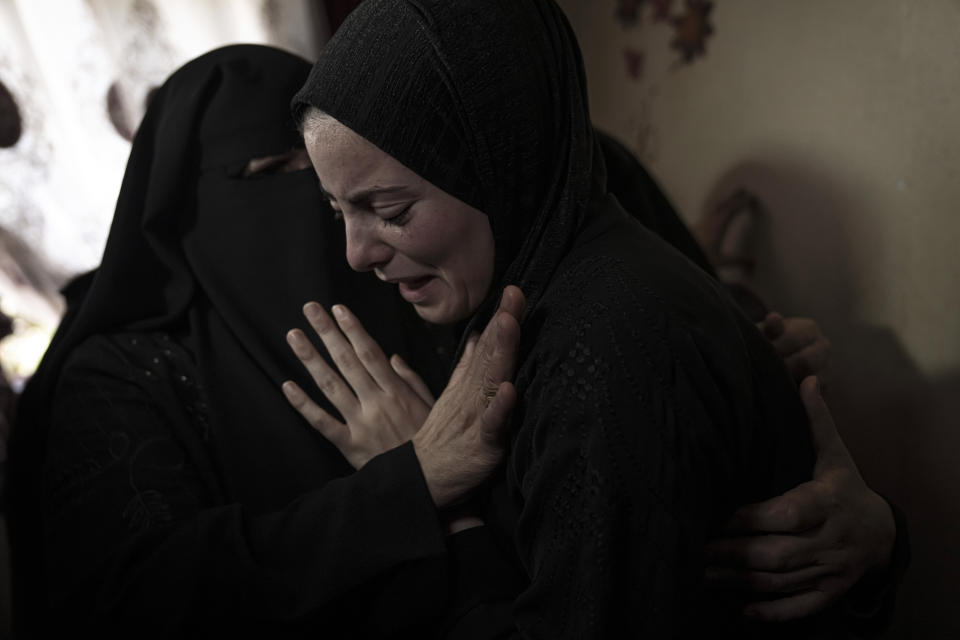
462,523
430,475
886,535
460,518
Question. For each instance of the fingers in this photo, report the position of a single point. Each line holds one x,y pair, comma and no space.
795,511
772,326
513,302
408,375
497,346
512,305
821,421
362,349
774,552
319,419
829,447
339,348
326,379
496,416
466,358
495,357
792,607
797,334
810,360
496,353
799,341
802,579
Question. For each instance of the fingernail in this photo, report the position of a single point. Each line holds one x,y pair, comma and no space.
312,310
339,312
299,343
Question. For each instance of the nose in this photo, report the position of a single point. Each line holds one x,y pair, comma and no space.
366,250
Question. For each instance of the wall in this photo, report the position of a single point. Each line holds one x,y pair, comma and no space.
844,119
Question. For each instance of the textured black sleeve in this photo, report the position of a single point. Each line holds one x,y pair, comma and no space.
135,541
623,467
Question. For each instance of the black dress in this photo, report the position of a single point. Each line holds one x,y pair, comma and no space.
159,485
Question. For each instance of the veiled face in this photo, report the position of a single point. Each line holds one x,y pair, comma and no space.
437,249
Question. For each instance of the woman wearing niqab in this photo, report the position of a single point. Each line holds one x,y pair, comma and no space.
159,483
649,405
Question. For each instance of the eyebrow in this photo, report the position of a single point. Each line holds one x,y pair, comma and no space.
364,195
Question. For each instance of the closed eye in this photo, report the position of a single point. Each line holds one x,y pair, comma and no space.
400,218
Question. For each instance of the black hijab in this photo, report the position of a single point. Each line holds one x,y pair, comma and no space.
225,263
486,99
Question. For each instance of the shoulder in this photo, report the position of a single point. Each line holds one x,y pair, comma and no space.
122,377
137,358
646,346
624,305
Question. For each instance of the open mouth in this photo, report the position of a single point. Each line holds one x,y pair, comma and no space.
414,289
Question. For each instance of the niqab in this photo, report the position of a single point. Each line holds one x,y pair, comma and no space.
225,263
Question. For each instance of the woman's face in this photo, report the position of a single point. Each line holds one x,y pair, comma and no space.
435,248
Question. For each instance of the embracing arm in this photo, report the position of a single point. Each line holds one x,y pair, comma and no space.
138,531
830,542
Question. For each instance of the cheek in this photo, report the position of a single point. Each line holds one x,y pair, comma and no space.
456,240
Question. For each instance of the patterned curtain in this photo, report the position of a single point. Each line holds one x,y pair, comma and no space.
75,76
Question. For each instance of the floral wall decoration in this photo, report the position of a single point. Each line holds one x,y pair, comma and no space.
628,11
662,10
634,59
691,27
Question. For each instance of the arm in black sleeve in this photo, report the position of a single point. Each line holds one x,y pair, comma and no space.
135,540
620,474
608,532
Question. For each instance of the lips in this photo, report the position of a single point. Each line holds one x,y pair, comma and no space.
414,290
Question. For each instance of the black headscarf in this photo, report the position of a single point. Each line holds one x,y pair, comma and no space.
225,262
429,82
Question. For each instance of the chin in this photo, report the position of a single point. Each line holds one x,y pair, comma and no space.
441,314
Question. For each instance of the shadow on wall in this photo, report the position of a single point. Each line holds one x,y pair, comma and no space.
814,245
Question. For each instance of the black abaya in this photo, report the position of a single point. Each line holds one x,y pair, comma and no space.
159,483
